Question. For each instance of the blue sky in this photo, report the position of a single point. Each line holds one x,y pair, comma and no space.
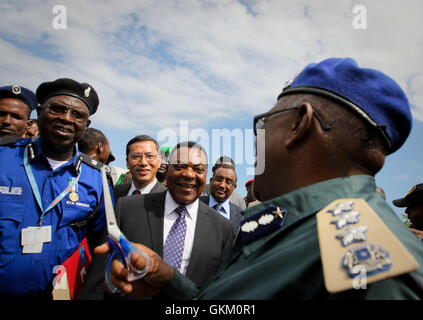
207,67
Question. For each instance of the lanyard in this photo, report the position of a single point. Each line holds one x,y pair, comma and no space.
36,191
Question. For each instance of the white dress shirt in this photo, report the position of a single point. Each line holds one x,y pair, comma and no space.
170,217
144,190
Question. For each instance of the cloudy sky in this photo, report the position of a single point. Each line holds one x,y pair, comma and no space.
203,69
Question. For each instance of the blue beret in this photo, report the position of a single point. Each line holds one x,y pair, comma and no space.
374,96
69,87
20,93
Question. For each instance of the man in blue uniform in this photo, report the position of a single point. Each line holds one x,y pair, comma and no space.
49,192
16,105
322,230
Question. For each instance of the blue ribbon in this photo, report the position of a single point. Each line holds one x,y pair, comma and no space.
36,191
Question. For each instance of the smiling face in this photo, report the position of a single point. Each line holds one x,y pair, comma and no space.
222,184
62,120
187,173
143,162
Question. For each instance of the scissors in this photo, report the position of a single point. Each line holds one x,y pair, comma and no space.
120,247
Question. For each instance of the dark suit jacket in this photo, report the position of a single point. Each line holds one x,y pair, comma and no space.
140,218
120,190
236,214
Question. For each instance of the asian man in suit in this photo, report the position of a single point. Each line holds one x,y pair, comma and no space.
151,219
143,161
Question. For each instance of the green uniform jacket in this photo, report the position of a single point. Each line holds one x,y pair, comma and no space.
286,263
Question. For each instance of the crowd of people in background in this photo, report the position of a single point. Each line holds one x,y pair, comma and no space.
333,136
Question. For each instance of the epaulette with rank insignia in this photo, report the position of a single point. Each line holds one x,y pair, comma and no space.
262,223
357,247
94,164
97,165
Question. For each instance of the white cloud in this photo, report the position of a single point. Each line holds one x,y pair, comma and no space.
154,64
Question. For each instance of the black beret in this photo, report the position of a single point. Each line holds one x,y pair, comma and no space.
69,87
20,93
414,196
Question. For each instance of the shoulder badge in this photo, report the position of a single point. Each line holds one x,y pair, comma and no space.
93,163
262,223
357,247
16,90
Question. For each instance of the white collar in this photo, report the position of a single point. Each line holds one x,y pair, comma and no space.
144,190
171,205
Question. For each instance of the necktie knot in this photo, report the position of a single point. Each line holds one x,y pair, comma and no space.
181,210
136,191
217,207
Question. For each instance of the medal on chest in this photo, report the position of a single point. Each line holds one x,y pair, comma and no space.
73,196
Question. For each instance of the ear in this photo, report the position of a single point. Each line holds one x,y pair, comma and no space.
99,148
302,125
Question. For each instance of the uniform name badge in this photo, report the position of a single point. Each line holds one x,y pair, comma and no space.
73,196
32,238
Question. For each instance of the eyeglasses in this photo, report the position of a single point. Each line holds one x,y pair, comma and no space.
146,156
58,110
259,120
220,179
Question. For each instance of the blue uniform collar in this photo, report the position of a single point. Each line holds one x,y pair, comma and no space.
307,201
36,150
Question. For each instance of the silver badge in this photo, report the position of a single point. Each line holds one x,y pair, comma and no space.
16,89
346,218
278,212
352,234
372,257
341,207
87,92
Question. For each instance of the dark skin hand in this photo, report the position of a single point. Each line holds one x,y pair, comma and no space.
159,275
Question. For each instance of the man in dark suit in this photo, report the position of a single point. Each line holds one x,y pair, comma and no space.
143,161
235,197
222,184
151,218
